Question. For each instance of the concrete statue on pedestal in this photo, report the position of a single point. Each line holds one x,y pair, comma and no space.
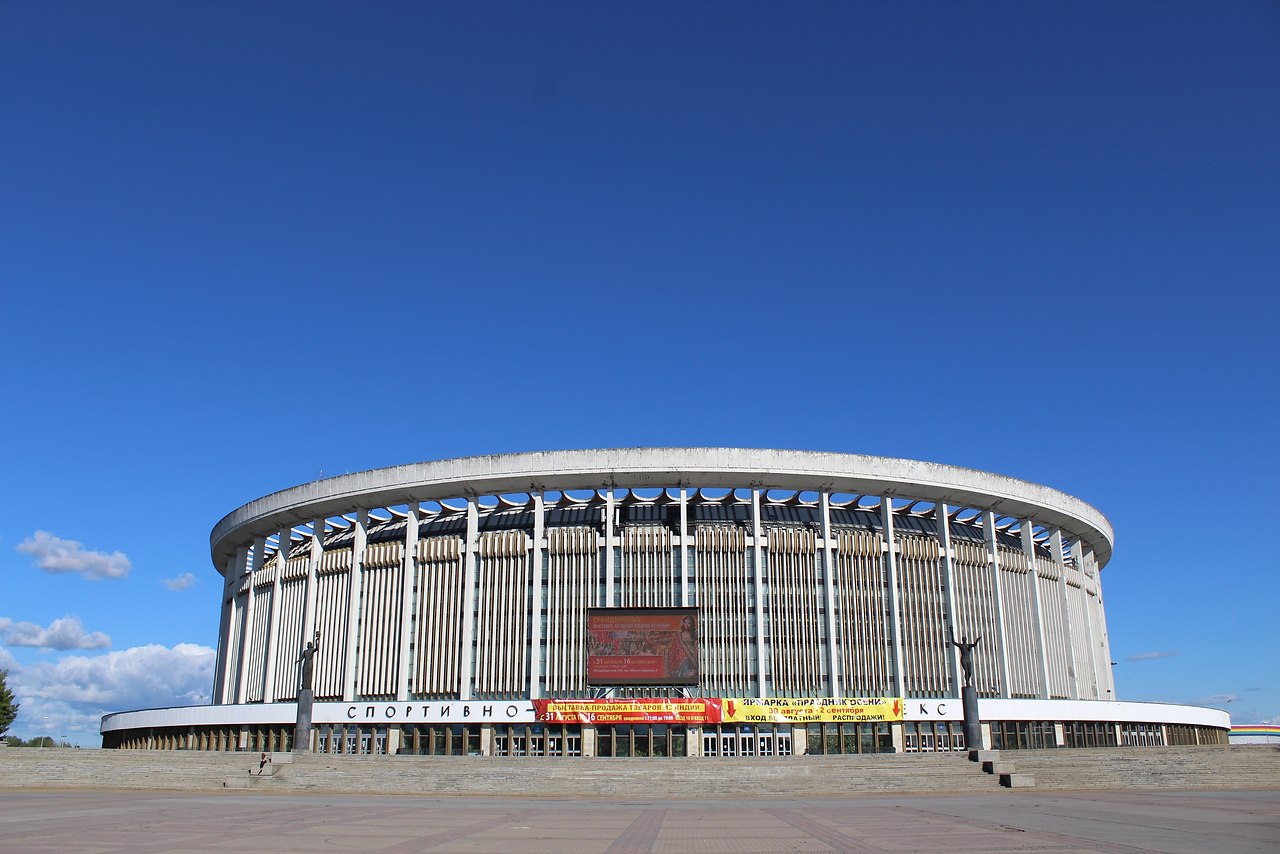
966,655
969,691
308,662
302,729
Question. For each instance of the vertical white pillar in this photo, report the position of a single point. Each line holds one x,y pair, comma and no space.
829,593
997,592
226,655
1077,550
949,596
537,632
891,586
246,645
1059,558
469,598
1108,675
1029,549
313,570
353,604
273,625
685,551
757,581
409,567
608,547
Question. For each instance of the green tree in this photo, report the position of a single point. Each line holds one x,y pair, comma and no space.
8,708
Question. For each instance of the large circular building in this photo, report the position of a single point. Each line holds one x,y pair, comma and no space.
663,602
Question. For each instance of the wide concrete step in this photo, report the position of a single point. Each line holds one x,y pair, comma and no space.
684,777
1180,767
1151,768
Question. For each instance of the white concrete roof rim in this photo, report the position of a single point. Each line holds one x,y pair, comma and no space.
663,467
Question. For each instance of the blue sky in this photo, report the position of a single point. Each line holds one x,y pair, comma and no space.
243,245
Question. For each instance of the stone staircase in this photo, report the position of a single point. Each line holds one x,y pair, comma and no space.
796,776
1217,767
67,768
639,778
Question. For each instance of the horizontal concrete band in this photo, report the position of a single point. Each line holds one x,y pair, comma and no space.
521,711
643,468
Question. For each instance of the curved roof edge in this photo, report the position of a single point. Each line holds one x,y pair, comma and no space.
989,709
653,467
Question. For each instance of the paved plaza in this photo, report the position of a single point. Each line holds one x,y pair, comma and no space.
100,821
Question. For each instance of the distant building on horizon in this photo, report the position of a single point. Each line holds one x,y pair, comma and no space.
1255,734
664,602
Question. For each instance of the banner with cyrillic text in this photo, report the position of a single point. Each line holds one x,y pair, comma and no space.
784,710
653,711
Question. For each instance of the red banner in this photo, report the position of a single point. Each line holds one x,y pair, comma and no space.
660,710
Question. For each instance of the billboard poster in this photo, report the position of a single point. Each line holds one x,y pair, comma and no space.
661,710
813,710
642,646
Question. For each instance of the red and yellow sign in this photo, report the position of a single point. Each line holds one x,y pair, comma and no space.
785,710
655,711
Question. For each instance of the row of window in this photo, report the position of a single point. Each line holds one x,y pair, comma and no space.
662,740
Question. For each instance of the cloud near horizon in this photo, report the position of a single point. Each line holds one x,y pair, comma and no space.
1152,656
181,582
56,555
70,696
63,633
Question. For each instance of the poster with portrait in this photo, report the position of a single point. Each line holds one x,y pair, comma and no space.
642,646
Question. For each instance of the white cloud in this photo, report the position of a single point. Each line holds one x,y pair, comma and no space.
68,698
1216,700
1152,656
182,582
54,554
63,633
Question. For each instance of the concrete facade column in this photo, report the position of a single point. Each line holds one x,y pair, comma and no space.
949,595
313,570
1108,675
1029,549
353,604
609,568
1060,558
894,594
537,633
829,596
230,581
409,567
1002,639
467,637
1077,551
757,582
246,636
273,625
686,553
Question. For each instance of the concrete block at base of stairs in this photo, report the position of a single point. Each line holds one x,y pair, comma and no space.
1017,781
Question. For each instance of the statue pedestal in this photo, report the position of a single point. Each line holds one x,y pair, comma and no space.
302,730
972,724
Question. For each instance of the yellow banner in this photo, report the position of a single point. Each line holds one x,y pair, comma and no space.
784,710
